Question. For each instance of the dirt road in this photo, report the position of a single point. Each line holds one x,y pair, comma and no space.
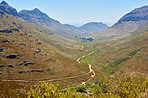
50,80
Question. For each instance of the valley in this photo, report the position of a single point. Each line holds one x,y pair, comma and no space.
60,79
41,57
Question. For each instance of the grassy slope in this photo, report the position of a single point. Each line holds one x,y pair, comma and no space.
52,62
126,55
9,90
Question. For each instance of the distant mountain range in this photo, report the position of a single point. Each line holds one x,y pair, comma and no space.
130,22
88,28
38,17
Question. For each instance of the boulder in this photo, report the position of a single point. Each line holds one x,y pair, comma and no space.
1,49
11,66
28,64
2,66
11,56
5,40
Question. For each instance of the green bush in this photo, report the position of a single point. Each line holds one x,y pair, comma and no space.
130,87
46,90
81,89
124,87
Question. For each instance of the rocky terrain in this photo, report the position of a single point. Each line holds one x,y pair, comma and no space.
130,22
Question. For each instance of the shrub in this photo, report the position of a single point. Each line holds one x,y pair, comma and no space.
46,90
125,87
130,87
81,89
90,39
42,90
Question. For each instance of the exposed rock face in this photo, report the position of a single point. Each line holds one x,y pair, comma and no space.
10,30
38,17
11,56
6,31
11,66
8,9
1,12
139,14
2,66
130,22
5,40
1,49
28,64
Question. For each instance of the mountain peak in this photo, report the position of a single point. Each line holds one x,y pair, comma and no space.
4,2
96,23
4,6
36,9
138,14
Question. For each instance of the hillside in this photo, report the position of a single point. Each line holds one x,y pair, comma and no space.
123,56
26,54
130,22
38,17
89,28
35,48
9,90
93,27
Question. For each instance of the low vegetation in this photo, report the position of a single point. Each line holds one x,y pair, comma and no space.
125,87
30,53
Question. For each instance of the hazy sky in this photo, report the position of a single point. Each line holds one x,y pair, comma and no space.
78,12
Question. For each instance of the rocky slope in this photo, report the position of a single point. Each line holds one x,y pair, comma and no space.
38,17
128,55
8,9
130,22
28,52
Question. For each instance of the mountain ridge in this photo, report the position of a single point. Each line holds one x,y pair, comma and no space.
130,22
38,17
26,52
91,27
138,14
4,6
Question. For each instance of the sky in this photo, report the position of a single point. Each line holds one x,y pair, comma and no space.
79,12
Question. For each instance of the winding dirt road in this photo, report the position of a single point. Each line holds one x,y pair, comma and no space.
50,80
82,47
91,70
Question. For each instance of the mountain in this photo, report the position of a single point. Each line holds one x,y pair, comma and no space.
139,14
88,28
60,40
38,17
93,27
130,22
8,9
31,52
128,55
